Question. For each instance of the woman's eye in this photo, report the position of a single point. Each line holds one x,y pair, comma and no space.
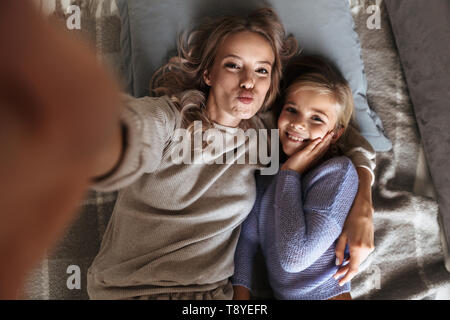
316,118
262,71
232,66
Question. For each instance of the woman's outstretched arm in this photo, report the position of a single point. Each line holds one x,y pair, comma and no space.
58,110
358,230
108,160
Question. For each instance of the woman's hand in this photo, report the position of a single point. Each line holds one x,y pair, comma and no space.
58,111
358,230
302,160
241,293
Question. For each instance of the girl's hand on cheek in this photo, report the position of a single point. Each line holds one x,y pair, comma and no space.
302,160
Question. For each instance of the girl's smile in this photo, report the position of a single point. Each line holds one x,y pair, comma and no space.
305,116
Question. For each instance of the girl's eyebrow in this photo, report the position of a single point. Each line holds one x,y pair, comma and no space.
321,112
314,110
237,57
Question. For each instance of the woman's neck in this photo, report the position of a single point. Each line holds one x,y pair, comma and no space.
215,114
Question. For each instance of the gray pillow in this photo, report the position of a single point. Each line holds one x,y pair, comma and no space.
150,29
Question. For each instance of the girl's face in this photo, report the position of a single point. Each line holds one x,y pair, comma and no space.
239,78
305,116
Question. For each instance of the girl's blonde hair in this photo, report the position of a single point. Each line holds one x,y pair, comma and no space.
320,76
182,77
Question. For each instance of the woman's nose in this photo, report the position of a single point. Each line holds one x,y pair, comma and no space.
247,80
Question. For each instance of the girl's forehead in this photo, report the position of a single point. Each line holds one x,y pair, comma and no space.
304,98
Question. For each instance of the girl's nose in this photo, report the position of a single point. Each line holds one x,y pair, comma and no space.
298,124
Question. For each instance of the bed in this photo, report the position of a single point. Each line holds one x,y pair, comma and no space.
408,262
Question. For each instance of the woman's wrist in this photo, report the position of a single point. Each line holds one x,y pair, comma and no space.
362,206
111,158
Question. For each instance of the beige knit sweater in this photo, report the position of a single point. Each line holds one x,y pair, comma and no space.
174,227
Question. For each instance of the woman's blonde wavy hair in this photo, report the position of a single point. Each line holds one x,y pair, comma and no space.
182,77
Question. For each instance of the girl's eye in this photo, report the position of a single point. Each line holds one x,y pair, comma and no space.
291,110
316,118
232,66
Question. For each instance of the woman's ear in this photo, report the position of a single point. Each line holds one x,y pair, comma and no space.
207,78
338,132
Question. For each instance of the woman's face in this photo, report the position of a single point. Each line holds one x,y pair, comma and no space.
306,115
239,78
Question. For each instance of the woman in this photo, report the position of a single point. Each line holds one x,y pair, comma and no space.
174,228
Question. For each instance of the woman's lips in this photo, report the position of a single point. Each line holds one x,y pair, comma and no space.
245,96
245,100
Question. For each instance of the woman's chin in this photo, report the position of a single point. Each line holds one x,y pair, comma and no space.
243,112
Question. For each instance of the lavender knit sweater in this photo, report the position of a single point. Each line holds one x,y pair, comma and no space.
296,220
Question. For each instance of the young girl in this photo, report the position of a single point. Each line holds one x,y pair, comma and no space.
299,213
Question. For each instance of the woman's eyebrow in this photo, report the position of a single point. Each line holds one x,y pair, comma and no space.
237,57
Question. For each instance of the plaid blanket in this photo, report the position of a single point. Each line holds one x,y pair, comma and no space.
407,263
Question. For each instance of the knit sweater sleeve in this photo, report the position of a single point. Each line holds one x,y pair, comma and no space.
307,226
248,243
149,124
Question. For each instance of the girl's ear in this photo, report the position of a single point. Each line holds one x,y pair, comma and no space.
206,78
338,132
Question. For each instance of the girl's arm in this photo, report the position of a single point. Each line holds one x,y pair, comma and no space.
245,253
305,230
358,230
244,257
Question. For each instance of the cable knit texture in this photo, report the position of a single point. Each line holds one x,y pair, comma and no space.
296,220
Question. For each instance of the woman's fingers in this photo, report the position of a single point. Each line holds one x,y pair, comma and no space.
340,248
342,271
351,270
